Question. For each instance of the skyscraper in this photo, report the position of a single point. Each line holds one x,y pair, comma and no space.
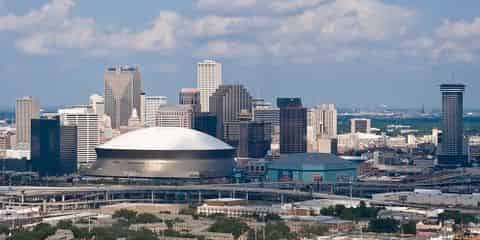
53,150
227,103
97,103
123,86
206,122
175,116
360,125
190,96
209,77
26,109
88,132
252,142
150,106
452,152
293,125
325,121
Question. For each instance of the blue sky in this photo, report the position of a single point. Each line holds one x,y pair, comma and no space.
348,52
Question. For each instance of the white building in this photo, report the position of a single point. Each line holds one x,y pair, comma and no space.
431,197
360,125
26,108
359,141
97,103
209,77
325,120
150,106
175,116
88,132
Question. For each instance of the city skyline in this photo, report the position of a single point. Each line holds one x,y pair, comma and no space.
432,43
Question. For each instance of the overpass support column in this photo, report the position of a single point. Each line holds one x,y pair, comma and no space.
282,198
152,196
22,198
219,194
246,196
63,202
199,196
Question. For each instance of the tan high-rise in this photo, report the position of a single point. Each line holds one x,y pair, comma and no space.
209,77
123,86
26,108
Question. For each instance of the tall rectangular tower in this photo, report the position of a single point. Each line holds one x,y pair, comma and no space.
293,125
360,125
325,121
123,86
209,77
452,152
87,124
190,96
150,107
26,109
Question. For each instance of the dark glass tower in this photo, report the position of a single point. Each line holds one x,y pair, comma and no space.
206,122
293,125
226,103
53,151
452,152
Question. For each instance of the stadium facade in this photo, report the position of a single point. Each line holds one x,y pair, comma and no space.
166,153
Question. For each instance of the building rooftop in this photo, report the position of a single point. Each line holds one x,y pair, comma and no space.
165,138
310,160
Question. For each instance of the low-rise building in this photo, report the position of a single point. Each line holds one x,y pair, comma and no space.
431,197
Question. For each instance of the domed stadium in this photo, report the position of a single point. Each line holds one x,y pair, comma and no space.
164,152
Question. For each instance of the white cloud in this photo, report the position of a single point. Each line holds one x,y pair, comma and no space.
293,5
349,20
301,31
225,5
161,34
50,14
229,49
455,41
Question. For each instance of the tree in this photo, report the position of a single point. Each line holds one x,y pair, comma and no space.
229,225
143,234
40,231
126,214
311,231
64,224
409,227
458,217
278,230
4,229
387,225
147,218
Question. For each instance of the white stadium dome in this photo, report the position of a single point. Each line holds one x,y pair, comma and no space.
165,138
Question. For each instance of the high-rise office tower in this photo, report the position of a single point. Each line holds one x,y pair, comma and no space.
53,150
123,86
360,125
206,122
227,103
325,121
270,115
190,96
452,153
209,77
97,103
293,125
88,132
150,106
26,109
253,143
175,116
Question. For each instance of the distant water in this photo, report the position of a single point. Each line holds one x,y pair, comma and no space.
7,115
